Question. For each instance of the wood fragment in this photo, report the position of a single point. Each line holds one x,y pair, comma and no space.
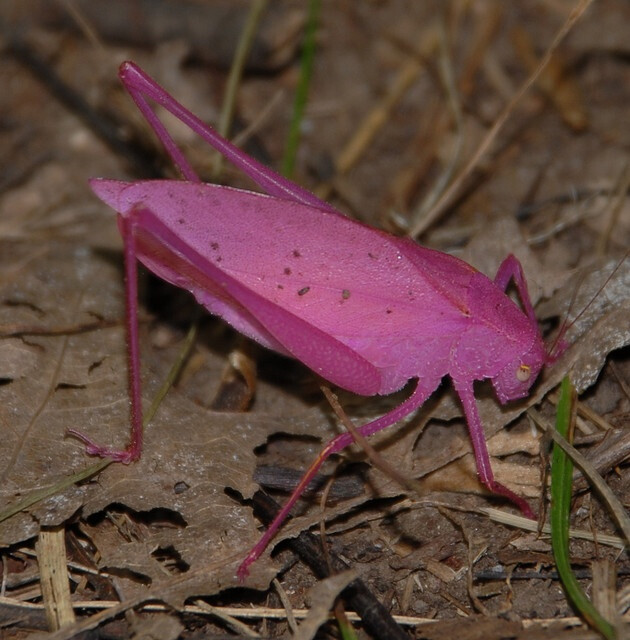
51,555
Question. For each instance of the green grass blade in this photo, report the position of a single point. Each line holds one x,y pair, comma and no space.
561,483
301,94
53,489
346,630
64,483
236,73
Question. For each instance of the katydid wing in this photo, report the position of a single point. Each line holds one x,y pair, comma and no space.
366,310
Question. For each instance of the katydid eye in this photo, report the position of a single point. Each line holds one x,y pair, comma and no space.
523,373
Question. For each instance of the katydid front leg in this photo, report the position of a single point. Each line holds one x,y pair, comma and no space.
482,458
512,269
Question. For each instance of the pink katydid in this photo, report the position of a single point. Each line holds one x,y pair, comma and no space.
365,310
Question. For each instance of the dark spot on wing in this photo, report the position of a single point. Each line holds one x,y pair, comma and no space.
303,291
296,253
345,294
287,271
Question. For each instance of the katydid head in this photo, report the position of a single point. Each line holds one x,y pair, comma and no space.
516,378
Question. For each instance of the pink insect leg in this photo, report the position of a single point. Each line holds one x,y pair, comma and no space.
478,439
510,269
134,448
139,85
419,395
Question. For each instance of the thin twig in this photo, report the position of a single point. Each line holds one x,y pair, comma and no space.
454,102
455,187
377,460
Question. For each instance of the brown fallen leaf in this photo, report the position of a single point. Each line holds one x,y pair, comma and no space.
55,382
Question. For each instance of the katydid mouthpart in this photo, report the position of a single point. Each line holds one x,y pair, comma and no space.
364,309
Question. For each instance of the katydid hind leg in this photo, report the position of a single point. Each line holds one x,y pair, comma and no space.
134,449
415,400
480,448
140,86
